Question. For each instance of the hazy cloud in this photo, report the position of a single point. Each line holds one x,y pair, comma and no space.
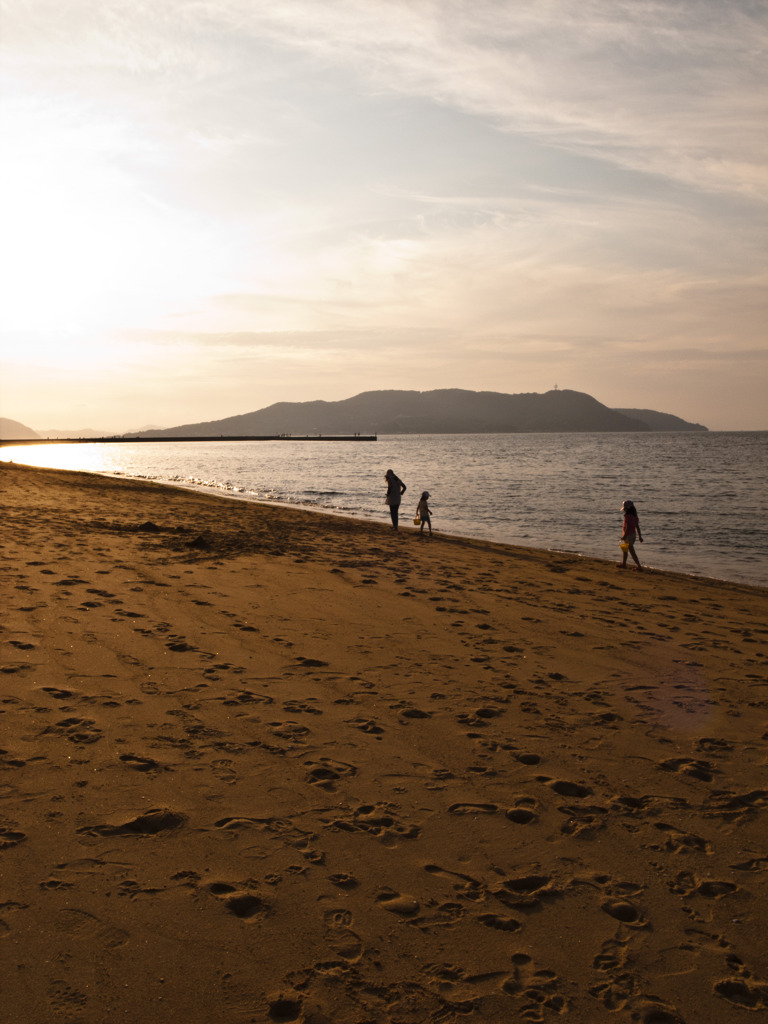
411,193
672,88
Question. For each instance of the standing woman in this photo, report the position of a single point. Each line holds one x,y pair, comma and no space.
395,491
630,529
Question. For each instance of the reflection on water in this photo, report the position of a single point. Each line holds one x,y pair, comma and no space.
88,458
701,496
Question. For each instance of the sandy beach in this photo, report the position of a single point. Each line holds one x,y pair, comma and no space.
259,765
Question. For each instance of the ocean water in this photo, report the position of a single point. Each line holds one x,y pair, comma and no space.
700,496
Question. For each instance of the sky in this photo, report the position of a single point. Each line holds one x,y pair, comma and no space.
208,206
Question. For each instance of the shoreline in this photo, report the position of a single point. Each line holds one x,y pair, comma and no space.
217,491
288,767
709,547
220,492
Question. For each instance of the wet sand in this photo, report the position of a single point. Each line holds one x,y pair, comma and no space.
264,765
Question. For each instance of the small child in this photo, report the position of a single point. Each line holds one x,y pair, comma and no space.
423,512
631,527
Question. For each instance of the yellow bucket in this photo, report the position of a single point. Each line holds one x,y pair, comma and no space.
624,546
416,521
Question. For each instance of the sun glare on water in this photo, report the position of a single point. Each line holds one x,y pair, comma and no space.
86,458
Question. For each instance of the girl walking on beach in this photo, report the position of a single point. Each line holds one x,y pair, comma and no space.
424,513
630,529
395,491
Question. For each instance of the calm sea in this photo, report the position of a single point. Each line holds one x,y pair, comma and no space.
701,497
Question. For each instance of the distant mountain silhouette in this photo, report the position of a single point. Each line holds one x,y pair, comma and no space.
12,430
56,433
660,420
450,411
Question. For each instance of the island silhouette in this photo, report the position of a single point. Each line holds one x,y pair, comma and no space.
442,411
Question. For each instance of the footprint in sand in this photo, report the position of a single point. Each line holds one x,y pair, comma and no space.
21,645
696,769
223,770
244,696
289,731
343,880
151,823
615,993
56,883
679,842
295,707
465,886
340,937
688,884
625,912
612,956
77,730
473,809
366,725
82,925
500,923
470,720
523,812
565,788
753,864
746,993
10,836
415,713
240,900
526,891
397,903
62,998
583,820
536,989
234,825
180,645
246,906
7,760
735,806
711,745
284,1007
650,1010
377,820
326,772
140,764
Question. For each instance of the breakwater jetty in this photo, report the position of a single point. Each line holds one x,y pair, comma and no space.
165,440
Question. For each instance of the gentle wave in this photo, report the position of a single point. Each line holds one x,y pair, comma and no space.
701,496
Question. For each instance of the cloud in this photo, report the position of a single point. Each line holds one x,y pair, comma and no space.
674,89
415,192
